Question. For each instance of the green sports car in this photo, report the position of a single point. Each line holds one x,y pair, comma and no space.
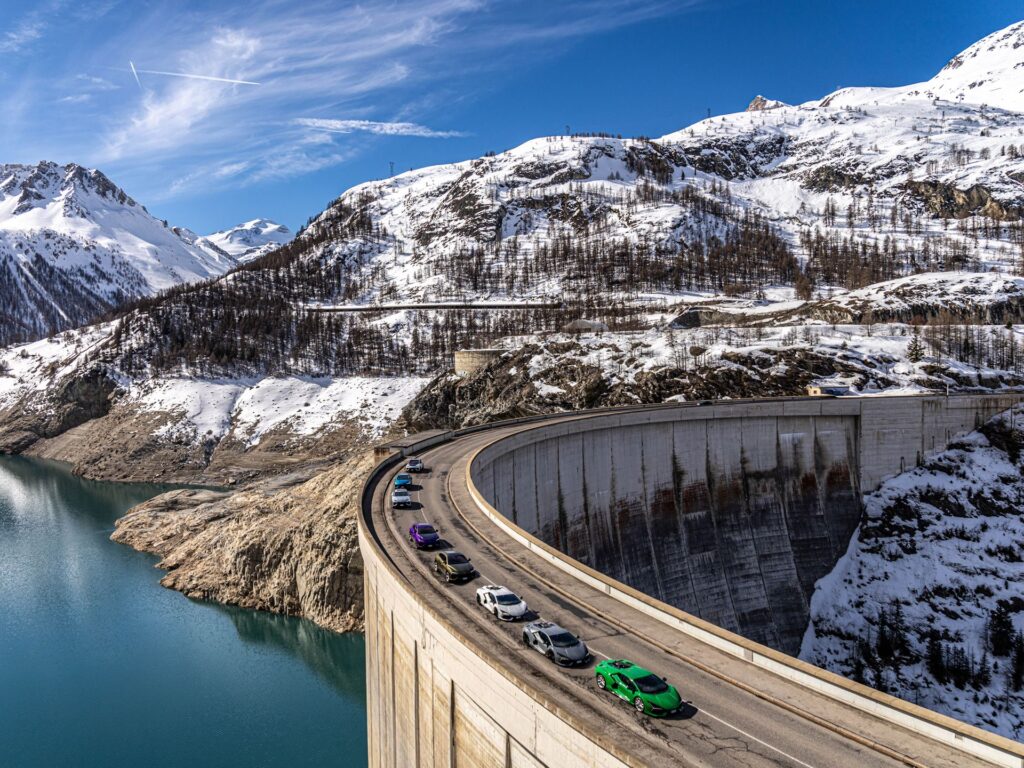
648,693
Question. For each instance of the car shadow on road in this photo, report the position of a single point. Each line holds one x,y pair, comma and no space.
686,712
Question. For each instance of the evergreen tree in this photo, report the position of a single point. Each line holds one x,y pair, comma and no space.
935,658
1001,635
915,349
1017,664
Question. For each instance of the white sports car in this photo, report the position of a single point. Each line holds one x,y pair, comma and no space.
502,602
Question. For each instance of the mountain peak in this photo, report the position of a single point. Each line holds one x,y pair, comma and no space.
760,103
74,244
989,72
47,183
251,239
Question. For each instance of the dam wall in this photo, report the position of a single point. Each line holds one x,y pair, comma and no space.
434,698
729,512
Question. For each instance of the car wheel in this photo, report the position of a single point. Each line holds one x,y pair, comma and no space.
638,705
601,682
448,578
478,600
550,654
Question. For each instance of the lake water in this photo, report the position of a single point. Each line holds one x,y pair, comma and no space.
101,666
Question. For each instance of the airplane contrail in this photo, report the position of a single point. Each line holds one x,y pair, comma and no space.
191,76
132,65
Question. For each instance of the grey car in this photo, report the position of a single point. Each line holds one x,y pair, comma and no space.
559,645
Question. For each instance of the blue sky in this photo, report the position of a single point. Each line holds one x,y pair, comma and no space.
347,88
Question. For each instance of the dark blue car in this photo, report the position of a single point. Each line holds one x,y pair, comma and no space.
403,480
424,536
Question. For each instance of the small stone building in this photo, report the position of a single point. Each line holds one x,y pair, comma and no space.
469,361
584,326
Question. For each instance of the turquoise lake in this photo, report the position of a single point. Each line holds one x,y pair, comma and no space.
101,666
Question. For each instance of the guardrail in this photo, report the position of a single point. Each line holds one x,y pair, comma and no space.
945,730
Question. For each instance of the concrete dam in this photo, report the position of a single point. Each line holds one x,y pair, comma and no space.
687,538
731,514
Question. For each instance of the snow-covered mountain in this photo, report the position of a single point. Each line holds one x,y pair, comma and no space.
73,245
252,239
926,603
863,185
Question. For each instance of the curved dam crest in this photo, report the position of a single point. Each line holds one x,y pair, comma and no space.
734,506
729,514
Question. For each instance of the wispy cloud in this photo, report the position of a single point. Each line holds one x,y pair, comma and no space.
336,77
27,31
376,127
32,26
93,83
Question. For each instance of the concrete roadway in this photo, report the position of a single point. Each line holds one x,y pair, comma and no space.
723,724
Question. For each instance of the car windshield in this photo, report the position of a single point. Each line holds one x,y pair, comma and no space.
651,684
507,599
563,640
414,462
456,559
404,477
425,529
401,492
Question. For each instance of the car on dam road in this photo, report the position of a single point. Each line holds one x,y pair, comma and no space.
403,481
453,566
502,602
559,645
648,693
424,536
400,497
415,465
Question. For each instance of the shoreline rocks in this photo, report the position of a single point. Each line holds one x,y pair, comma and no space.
284,548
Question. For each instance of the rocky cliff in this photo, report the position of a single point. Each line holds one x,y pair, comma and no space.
279,547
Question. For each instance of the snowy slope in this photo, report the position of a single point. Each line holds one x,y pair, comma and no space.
251,240
942,542
929,175
989,72
915,145
198,410
73,244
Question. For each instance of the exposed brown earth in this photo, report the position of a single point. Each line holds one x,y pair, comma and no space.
286,545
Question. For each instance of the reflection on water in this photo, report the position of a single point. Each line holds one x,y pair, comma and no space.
101,666
337,659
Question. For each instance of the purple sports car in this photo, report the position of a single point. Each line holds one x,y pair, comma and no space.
424,536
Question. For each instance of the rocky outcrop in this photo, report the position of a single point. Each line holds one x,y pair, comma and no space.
759,104
286,545
925,601
76,401
949,202
828,178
